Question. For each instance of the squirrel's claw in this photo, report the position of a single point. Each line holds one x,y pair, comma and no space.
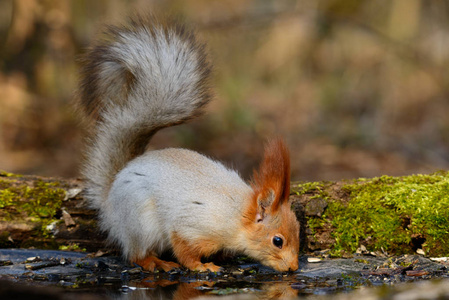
151,263
207,267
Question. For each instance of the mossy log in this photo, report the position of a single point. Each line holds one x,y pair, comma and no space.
382,216
46,213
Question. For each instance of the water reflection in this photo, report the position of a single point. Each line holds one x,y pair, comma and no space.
206,289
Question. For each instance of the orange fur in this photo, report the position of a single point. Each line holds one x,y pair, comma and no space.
189,253
151,263
189,290
279,290
282,223
274,173
268,212
273,176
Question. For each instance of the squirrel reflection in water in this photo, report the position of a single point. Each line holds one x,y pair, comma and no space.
168,290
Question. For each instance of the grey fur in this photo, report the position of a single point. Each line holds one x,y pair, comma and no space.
136,80
141,215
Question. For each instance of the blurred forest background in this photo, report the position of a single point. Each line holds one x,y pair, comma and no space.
358,88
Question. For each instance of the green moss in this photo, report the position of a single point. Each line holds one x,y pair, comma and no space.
396,214
6,198
396,210
38,202
315,189
315,223
72,247
7,174
363,261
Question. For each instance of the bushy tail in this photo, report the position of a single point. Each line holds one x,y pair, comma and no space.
137,79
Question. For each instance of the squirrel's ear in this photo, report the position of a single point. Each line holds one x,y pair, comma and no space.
271,182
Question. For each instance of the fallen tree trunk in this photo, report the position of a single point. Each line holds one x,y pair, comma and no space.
382,216
46,213
385,215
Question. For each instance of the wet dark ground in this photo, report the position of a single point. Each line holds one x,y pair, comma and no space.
65,275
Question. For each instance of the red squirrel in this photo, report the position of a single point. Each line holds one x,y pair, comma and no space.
137,79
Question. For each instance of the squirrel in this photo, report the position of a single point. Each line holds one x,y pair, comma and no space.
149,74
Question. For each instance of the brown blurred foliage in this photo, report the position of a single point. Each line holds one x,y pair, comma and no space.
356,87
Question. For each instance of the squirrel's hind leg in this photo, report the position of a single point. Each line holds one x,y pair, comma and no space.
151,263
190,254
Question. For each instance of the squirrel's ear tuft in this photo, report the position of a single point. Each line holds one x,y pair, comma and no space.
271,182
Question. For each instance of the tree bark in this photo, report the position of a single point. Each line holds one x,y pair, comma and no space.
68,223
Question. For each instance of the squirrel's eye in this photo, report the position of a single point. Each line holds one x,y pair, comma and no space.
278,242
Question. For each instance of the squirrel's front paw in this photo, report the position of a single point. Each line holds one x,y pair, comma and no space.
151,263
207,267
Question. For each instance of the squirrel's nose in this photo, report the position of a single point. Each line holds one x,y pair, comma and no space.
294,266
